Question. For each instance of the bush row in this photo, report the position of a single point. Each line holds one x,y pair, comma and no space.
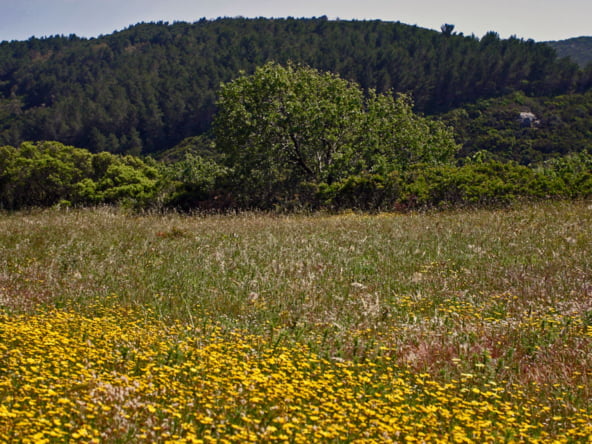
472,184
48,173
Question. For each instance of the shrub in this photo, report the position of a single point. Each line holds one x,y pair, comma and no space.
482,183
46,173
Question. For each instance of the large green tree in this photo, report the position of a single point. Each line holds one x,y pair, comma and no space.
283,126
288,124
395,138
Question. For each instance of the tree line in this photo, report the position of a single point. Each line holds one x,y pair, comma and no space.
147,88
291,137
45,174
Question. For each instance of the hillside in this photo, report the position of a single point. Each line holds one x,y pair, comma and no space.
525,129
578,48
145,89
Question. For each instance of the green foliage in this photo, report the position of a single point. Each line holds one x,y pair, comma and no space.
291,137
490,183
41,174
202,145
283,126
394,137
574,170
367,192
578,49
193,180
126,180
47,173
563,125
145,89
479,182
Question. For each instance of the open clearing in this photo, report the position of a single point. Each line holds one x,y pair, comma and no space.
463,326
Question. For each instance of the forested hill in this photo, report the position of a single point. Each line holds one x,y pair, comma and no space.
144,89
578,48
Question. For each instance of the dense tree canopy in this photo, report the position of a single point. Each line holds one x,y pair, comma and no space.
289,122
145,89
284,126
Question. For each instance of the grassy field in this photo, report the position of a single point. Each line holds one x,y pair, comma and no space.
465,326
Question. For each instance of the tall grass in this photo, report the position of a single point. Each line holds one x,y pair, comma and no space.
503,296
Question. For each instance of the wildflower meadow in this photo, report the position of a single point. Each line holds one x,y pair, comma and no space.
454,326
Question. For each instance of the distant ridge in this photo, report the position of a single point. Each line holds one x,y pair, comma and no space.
578,48
145,89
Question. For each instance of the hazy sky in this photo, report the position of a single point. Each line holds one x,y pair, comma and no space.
540,20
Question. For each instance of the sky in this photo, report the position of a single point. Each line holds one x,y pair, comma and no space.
540,20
